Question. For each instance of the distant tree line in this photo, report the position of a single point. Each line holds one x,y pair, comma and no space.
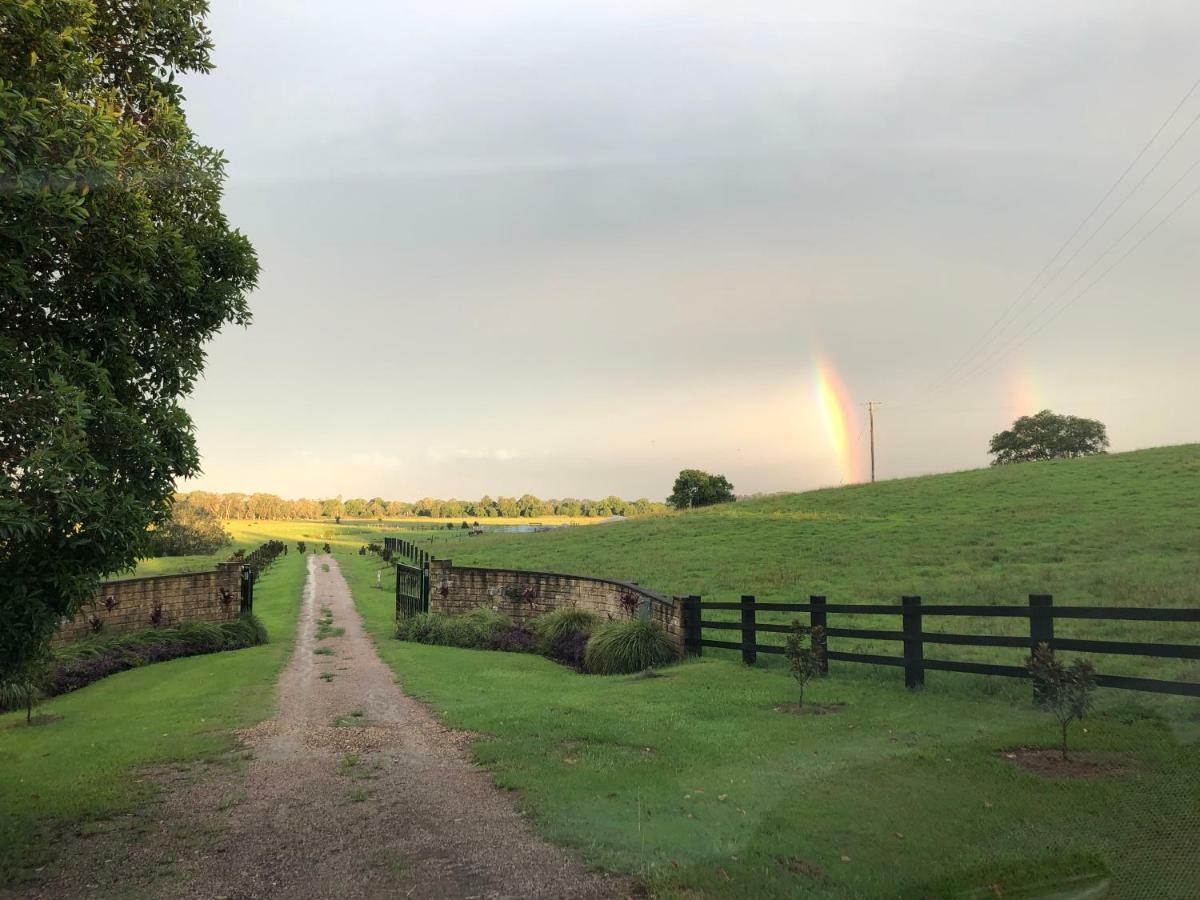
269,506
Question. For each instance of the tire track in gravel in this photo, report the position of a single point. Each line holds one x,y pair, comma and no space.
352,790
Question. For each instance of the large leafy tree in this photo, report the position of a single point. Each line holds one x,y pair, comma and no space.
116,266
694,488
1048,435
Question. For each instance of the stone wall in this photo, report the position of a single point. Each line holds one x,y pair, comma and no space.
131,605
455,590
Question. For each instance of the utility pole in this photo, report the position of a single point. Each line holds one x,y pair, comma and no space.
871,404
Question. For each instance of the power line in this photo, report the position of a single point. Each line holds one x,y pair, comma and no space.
1182,203
1021,336
1004,318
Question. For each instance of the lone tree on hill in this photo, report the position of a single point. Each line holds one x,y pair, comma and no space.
1048,435
116,265
695,488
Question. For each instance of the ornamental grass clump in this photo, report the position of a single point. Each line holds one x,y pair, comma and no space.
623,648
561,626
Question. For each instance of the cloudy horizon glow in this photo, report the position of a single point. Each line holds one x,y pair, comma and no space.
570,249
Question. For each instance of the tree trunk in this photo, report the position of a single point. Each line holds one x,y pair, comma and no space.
1064,740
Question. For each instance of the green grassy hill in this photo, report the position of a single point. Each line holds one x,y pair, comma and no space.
1122,529
1112,529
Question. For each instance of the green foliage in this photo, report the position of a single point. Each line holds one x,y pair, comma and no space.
1064,690
622,648
694,488
553,627
117,265
269,506
301,547
1047,435
805,653
474,630
20,691
190,531
203,637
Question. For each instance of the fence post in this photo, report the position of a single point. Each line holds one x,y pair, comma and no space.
399,609
914,651
816,617
247,590
425,583
749,654
691,626
1041,627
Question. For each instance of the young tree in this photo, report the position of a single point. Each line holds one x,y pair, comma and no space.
116,266
694,488
1066,691
1048,436
805,654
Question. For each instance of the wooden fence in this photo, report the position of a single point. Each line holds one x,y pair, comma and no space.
1041,614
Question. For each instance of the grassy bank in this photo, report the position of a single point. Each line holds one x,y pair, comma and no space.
694,782
76,767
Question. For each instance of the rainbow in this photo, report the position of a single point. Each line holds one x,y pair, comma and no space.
838,413
1023,393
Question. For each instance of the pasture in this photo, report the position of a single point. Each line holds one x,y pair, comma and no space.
693,781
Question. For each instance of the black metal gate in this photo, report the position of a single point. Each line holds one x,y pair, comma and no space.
412,588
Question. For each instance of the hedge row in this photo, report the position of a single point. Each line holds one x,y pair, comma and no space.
574,637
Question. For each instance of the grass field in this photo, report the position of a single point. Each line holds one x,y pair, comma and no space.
695,783
77,767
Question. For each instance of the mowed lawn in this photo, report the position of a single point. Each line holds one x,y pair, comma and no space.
694,782
79,766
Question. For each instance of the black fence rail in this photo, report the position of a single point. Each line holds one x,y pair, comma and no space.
913,638
404,549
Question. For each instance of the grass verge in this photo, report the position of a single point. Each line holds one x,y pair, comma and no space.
77,766
694,782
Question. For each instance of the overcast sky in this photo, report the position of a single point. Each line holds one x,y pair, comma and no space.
570,248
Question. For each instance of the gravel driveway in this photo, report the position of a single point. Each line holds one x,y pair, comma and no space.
352,790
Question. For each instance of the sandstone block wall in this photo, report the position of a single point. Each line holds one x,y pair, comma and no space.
130,605
521,595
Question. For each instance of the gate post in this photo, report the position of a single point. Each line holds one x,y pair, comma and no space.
914,651
247,589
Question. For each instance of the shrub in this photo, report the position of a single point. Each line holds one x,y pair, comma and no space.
805,653
1065,691
570,649
555,626
23,690
512,639
245,631
301,547
623,648
202,637
420,629
474,630
83,662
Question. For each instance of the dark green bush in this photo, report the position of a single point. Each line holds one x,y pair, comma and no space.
474,630
555,627
79,664
623,648
203,637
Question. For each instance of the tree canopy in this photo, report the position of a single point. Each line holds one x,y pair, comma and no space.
695,488
269,506
1048,435
189,531
116,266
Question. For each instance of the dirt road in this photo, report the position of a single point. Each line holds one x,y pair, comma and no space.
352,790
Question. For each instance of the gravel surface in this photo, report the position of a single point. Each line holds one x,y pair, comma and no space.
352,790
